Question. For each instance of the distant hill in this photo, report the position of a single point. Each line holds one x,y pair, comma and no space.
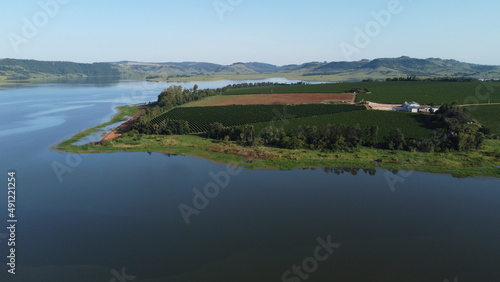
403,66
364,69
12,69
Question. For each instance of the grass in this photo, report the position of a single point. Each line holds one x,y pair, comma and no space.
488,115
424,92
412,125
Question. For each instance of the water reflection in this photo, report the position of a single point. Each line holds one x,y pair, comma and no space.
343,170
33,125
87,81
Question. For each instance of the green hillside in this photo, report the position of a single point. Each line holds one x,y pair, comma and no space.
11,69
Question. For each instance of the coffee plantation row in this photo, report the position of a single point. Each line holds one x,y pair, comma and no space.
200,117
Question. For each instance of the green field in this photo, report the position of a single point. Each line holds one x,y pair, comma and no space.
200,117
412,125
488,115
394,92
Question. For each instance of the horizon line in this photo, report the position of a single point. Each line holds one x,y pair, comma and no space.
241,62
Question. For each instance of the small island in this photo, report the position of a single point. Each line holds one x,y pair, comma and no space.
370,124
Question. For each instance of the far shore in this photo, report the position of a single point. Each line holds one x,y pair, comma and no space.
290,76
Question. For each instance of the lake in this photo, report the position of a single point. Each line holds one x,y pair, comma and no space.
117,217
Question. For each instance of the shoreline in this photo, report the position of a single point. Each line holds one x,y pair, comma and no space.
289,76
459,164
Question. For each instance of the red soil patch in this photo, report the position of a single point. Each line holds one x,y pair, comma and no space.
287,99
123,128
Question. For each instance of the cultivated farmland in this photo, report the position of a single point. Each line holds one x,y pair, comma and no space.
488,115
200,117
274,99
412,125
393,92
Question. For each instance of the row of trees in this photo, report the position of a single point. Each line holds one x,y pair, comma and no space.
168,127
416,78
358,90
177,95
455,130
332,137
258,84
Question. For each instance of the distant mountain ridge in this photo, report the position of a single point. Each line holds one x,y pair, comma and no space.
13,69
377,68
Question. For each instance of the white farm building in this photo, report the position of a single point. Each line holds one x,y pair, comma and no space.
414,107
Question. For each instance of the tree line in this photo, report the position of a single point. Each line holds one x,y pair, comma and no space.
455,130
258,84
332,137
416,78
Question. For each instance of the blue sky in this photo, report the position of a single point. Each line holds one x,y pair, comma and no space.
277,32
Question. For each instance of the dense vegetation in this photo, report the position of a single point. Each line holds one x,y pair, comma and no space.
331,137
26,69
200,117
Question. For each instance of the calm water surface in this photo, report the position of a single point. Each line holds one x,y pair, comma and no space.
116,217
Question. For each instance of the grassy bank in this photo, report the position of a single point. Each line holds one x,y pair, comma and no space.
123,113
485,162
